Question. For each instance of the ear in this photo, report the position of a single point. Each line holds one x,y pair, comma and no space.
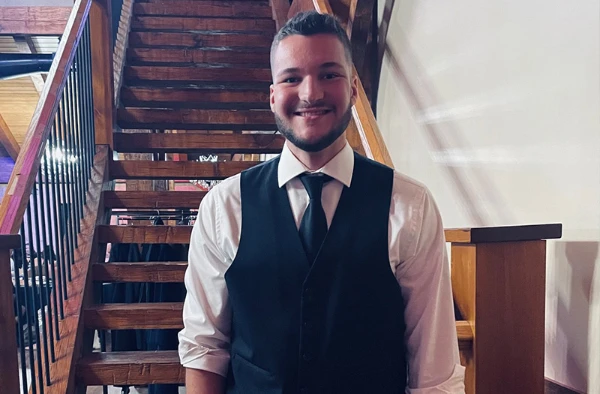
354,89
272,98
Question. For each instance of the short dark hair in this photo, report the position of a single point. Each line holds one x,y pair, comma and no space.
310,23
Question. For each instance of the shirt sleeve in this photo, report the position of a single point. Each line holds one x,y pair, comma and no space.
204,340
424,276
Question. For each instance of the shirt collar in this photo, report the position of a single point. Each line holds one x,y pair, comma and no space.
340,167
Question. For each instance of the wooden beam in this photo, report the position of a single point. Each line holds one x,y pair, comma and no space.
241,76
142,169
180,56
153,199
139,316
215,9
144,234
8,140
161,272
266,26
504,233
199,40
25,45
102,70
37,21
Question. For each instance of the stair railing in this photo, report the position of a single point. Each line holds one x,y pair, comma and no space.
498,273
48,213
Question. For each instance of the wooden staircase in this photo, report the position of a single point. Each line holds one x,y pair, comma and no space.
200,68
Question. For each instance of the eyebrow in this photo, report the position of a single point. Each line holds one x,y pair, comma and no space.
327,65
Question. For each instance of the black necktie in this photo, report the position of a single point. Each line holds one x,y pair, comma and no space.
313,226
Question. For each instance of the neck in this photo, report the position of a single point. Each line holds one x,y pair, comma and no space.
315,160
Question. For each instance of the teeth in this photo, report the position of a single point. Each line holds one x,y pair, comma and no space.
313,113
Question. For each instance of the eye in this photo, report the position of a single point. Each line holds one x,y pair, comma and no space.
330,76
291,80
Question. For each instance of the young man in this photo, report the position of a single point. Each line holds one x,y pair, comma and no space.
318,272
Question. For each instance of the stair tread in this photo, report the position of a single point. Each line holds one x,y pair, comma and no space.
465,334
195,119
194,142
239,75
194,56
153,199
154,272
142,169
130,368
158,315
207,8
199,40
144,234
198,24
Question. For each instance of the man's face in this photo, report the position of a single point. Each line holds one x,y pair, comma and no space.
313,90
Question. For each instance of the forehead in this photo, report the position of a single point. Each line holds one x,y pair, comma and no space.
297,51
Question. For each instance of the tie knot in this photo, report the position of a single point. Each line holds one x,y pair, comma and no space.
313,183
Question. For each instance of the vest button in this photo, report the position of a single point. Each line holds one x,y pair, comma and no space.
308,325
307,357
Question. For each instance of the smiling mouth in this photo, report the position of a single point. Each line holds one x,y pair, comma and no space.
312,113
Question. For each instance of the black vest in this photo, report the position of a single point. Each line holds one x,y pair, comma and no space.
336,327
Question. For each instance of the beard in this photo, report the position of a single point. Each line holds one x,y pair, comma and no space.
315,146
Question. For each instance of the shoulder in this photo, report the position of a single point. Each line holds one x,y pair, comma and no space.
225,195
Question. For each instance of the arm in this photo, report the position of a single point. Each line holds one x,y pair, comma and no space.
204,340
424,276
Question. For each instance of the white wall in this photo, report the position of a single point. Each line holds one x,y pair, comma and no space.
495,106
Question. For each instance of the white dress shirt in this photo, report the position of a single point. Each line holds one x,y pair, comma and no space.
417,258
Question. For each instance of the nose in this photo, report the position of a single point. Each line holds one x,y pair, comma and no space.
310,90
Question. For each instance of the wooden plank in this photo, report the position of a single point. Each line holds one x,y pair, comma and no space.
154,200
141,169
26,167
102,70
510,317
195,98
280,8
464,331
196,119
463,279
194,142
131,368
142,316
163,272
196,56
195,74
8,140
199,40
504,233
36,21
163,23
144,234
207,8
9,370
71,345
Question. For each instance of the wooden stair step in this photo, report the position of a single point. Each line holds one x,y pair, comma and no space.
239,75
142,169
194,56
167,23
142,316
194,98
152,199
144,234
201,1
197,143
154,272
465,334
130,368
195,119
207,8
199,40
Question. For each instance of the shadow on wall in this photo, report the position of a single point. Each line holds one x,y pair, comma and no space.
475,189
570,286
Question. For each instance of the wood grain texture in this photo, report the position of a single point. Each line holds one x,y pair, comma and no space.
71,346
463,279
199,40
163,272
192,8
142,316
165,23
130,368
193,56
509,341
8,140
200,143
149,97
37,21
504,233
9,370
144,234
280,10
102,70
26,167
141,169
153,199
195,74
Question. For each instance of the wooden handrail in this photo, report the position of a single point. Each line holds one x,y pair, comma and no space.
27,165
503,233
